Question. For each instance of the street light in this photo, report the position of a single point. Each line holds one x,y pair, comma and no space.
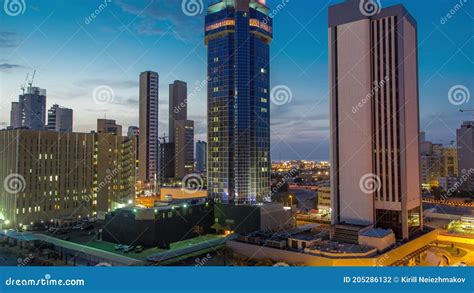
291,200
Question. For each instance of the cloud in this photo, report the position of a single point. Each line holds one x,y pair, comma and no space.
162,17
121,84
8,39
8,66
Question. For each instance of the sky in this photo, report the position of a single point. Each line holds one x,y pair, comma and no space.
79,47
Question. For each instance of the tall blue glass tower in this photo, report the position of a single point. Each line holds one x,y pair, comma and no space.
238,34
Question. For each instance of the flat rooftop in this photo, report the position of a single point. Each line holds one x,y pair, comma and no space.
376,232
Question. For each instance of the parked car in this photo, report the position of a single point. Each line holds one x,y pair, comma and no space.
139,249
87,227
119,247
77,227
128,248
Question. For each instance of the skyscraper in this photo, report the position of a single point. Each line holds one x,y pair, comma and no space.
33,108
374,121
59,119
181,131
148,149
201,156
465,140
15,115
178,108
238,35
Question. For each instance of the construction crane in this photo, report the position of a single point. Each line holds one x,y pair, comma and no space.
466,111
163,138
23,86
30,84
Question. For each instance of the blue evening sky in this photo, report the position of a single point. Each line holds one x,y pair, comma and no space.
73,56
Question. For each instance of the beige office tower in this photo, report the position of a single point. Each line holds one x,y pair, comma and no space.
115,167
375,174
51,176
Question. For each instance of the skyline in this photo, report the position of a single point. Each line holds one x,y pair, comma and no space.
169,42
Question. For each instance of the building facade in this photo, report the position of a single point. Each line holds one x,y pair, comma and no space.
15,115
52,176
375,158
181,130
108,126
149,144
178,106
60,119
465,142
32,110
201,156
184,148
238,35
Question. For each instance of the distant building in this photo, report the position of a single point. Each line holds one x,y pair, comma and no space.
324,200
167,159
133,131
15,116
33,108
108,126
178,106
431,163
181,130
201,156
465,142
449,162
63,175
238,36
184,148
149,144
375,172
60,119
